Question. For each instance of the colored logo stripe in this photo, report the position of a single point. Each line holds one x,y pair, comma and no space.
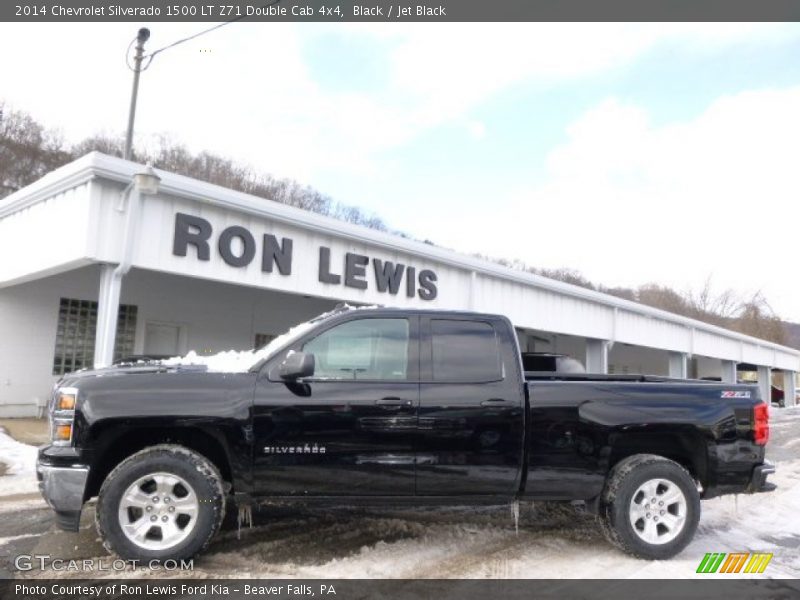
758,563
713,562
734,562
704,563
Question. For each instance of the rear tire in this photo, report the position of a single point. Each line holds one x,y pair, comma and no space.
164,502
650,507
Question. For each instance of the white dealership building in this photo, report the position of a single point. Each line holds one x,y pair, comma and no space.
102,259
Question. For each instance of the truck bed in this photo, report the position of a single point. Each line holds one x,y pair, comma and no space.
581,424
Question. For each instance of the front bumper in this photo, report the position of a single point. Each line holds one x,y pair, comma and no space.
758,480
63,489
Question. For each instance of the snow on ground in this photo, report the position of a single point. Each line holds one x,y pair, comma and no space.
552,542
20,463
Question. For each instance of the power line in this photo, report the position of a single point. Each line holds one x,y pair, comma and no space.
152,55
142,36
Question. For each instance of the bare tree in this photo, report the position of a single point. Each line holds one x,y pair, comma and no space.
724,305
106,144
757,318
621,292
27,150
566,275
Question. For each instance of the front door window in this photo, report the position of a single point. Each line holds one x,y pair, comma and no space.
372,349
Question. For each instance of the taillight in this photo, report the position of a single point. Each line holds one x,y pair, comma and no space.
761,423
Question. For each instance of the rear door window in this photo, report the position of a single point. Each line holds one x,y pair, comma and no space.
465,351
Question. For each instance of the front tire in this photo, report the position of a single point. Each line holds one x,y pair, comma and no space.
164,502
650,507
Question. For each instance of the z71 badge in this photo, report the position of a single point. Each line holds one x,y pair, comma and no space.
735,394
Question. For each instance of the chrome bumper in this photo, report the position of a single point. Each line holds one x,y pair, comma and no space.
63,489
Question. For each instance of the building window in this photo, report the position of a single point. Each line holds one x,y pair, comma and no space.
77,326
262,339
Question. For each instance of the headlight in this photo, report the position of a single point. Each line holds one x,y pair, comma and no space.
65,401
62,417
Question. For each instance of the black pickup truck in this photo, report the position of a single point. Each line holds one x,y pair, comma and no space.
391,406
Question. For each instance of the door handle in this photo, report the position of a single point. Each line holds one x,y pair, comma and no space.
393,402
493,402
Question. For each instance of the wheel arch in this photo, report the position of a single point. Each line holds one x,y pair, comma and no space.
115,444
684,446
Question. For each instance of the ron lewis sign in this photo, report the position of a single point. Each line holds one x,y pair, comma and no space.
237,247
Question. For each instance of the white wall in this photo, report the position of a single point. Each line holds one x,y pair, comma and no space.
156,253
45,237
707,367
28,319
216,317
622,358
544,341
627,359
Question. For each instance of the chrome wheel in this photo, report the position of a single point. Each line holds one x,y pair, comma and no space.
158,511
658,511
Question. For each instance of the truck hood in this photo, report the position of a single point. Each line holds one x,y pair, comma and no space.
154,390
144,369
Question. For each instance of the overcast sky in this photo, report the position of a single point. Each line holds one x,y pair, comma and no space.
632,153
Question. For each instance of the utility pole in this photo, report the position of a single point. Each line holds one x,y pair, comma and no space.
141,37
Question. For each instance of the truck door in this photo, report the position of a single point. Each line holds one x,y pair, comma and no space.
349,429
471,418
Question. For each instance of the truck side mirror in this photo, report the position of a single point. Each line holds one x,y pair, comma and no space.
296,365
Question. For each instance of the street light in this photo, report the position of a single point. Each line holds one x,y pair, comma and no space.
141,37
147,181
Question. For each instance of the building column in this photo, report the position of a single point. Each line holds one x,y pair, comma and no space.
596,356
790,388
678,365
143,184
765,383
107,316
729,371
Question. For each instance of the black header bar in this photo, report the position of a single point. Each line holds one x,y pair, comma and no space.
394,11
